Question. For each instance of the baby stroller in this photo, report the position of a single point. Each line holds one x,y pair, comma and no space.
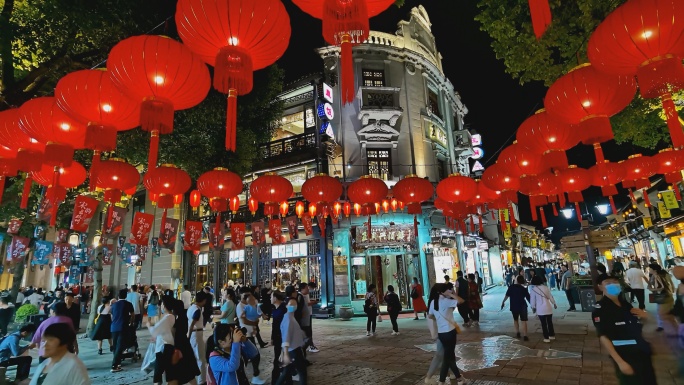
131,348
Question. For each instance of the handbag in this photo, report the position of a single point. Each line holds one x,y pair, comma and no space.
176,357
414,293
149,359
379,317
659,298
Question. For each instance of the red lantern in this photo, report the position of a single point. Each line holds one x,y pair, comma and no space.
284,208
177,200
588,98
607,175
337,209
670,163
195,199
166,181
312,210
347,208
234,204
498,178
8,168
253,205
394,203
271,188
644,38
412,189
237,37
90,97
28,151
299,208
220,184
69,177
357,209
367,190
42,120
322,188
638,170
345,23
548,137
116,176
519,161
456,188
573,180
161,74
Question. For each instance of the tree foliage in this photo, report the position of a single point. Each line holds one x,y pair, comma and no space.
561,48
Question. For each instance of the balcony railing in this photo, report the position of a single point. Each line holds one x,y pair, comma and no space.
380,98
294,144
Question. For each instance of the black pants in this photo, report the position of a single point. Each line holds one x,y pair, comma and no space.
639,294
464,311
255,361
448,340
138,321
23,364
643,369
298,365
118,338
571,301
393,319
309,336
275,373
162,364
372,320
547,326
474,314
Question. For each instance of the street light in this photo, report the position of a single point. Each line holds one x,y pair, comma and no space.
567,213
603,208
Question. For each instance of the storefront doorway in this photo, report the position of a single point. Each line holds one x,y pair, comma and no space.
291,264
383,268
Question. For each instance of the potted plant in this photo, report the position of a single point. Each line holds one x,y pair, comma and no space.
346,312
24,312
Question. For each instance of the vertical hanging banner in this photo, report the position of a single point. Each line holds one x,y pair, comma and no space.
142,225
275,230
39,232
663,211
44,212
193,236
115,224
17,249
321,223
89,275
107,255
237,235
74,274
142,252
167,236
308,224
292,227
156,250
670,199
217,237
13,226
63,253
84,210
42,253
258,236
61,235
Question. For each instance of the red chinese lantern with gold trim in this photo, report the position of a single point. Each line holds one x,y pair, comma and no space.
312,210
645,38
498,178
237,37
573,180
322,189
234,204
548,137
253,205
166,181
638,170
117,176
413,190
345,23
270,189
163,76
456,188
299,209
519,161
670,164
284,208
607,175
69,177
195,199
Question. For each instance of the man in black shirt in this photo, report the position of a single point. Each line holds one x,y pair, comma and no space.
619,329
278,312
73,310
208,310
462,291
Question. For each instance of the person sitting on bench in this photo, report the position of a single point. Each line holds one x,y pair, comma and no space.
11,353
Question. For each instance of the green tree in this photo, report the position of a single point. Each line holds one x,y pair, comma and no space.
561,48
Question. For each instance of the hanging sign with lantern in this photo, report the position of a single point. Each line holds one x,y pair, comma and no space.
670,199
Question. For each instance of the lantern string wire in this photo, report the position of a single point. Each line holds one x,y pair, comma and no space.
146,33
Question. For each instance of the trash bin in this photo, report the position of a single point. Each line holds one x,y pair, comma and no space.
587,297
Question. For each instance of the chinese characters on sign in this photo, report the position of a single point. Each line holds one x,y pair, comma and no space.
61,235
308,224
63,253
193,236
45,208
292,227
167,236
275,230
84,210
13,226
385,235
217,236
115,223
17,249
237,235
42,253
142,225
258,235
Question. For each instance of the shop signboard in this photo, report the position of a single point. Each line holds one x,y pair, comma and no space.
670,199
663,211
470,244
359,261
508,233
341,276
290,250
648,222
236,256
390,235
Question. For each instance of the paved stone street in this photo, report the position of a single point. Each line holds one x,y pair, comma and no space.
347,356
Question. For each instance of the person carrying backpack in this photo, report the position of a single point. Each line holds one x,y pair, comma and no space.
393,308
370,307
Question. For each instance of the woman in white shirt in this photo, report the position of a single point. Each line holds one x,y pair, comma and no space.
62,366
162,332
541,301
446,330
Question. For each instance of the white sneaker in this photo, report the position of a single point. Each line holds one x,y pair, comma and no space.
452,376
547,340
295,377
476,323
256,380
312,349
368,334
373,334
461,380
396,334
552,338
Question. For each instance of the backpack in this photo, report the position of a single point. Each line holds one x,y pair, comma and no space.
393,303
414,293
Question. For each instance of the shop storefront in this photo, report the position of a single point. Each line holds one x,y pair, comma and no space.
236,267
294,263
446,262
202,273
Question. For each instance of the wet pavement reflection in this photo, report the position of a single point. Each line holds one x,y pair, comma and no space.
485,353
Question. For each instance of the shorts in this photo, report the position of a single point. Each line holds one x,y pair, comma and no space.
519,314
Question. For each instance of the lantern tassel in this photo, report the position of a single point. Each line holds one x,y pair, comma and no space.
347,59
647,201
612,204
543,217
163,221
672,117
561,199
578,212
555,209
472,224
27,191
154,150
53,217
533,210
481,225
598,152
55,179
678,194
93,169
631,196
541,16
231,121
